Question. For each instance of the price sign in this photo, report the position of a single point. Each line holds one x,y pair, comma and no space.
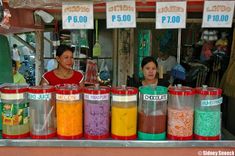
77,15
170,15
121,14
218,14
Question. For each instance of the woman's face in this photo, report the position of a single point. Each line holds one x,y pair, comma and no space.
149,71
66,60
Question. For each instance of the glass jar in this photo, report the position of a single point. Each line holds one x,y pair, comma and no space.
207,123
15,112
96,112
42,112
180,113
152,112
69,104
124,113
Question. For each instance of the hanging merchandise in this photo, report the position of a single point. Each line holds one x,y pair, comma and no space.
144,47
178,72
1,11
104,74
91,72
97,47
207,122
5,23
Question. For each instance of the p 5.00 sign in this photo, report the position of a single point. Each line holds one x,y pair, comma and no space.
121,14
78,15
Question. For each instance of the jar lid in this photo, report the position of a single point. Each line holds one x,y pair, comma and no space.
41,89
208,91
153,90
181,90
97,90
123,90
68,89
11,89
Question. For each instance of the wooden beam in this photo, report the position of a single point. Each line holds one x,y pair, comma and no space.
39,60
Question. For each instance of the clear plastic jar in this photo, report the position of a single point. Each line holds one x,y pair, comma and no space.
42,112
124,113
180,113
69,104
15,112
96,112
207,122
152,113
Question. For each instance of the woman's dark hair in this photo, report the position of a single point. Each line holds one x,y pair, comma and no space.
62,48
148,59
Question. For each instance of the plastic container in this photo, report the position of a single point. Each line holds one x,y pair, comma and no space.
207,123
96,112
69,104
15,112
180,113
124,113
152,113
42,112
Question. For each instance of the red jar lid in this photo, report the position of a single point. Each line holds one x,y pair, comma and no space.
208,91
12,89
97,90
181,90
68,89
41,89
125,90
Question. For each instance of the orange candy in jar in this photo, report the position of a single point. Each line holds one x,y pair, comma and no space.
180,113
69,111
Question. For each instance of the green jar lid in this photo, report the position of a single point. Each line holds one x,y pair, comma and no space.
153,90
149,136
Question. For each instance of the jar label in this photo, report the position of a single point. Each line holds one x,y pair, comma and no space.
213,102
63,97
15,114
44,96
124,98
12,96
92,97
148,97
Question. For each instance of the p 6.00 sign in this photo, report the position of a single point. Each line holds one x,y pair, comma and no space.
78,15
170,15
121,14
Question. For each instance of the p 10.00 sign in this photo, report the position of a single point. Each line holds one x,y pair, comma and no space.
77,15
218,14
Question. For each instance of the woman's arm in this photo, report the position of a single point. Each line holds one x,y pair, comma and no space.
43,82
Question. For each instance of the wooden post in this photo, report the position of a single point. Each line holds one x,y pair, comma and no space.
39,62
232,54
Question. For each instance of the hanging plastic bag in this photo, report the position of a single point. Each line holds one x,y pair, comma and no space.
104,71
5,23
91,72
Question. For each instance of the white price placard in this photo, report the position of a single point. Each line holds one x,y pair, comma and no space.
170,15
121,14
218,14
77,15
